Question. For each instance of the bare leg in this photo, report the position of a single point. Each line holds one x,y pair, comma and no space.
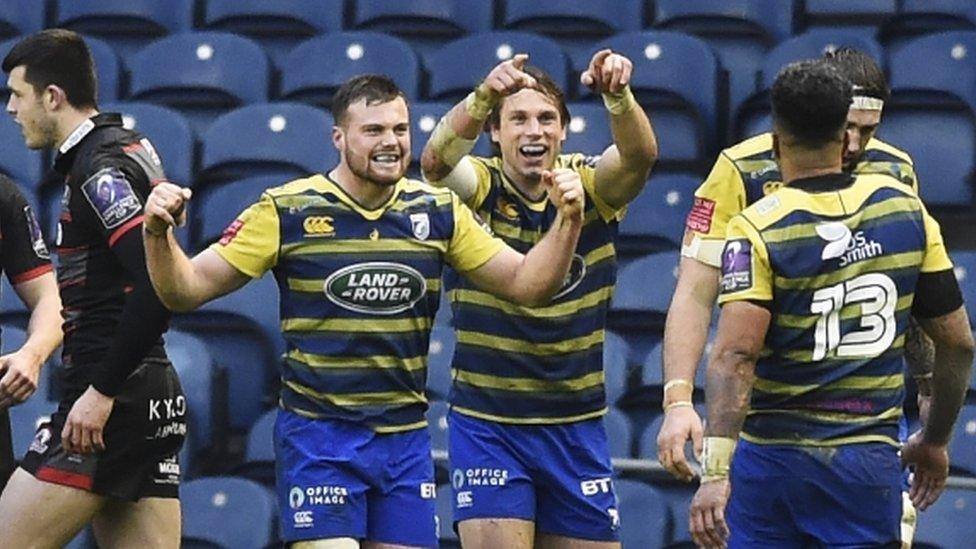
149,522
496,532
38,514
549,541
331,543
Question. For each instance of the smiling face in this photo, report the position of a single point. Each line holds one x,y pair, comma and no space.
37,125
374,140
861,126
530,133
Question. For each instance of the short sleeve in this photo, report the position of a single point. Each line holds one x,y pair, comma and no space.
111,194
483,185
471,246
251,242
936,258
746,271
720,196
23,254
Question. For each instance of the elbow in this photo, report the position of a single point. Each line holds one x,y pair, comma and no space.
177,303
432,168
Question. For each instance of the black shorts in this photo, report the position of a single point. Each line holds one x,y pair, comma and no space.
143,436
7,462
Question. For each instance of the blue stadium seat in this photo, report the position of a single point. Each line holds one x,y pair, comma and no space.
676,77
439,357
809,45
441,18
616,366
740,32
437,424
242,332
962,448
341,56
289,140
588,129
229,512
169,133
936,69
423,118
858,13
200,74
678,497
445,513
17,161
945,160
21,17
259,452
634,295
651,362
919,17
644,517
647,444
949,522
217,206
10,304
656,218
26,417
126,24
205,389
452,75
964,262
619,433
279,25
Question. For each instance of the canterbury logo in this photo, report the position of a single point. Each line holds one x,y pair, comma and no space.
319,226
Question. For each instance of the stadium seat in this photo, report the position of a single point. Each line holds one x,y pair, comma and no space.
423,118
341,56
11,307
218,205
169,133
588,129
17,162
21,17
739,31
242,333
259,452
650,359
26,418
644,517
809,45
445,513
619,433
616,366
964,262
439,357
949,522
288,140
125,24
678,497
205,389
656,218
437,18
935,70
437,424
201,74
919,17
453,76
962,448
676,78
635,295
229,512
278,26
867,14
945,160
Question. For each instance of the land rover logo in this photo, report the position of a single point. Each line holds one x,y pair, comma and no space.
577,270
376,287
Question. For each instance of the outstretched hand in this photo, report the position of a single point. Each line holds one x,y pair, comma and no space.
608,72
508,77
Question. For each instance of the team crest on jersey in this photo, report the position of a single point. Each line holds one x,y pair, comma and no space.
577,270
36,236
376,287
420,223
737,265
111,196
319,226
506,208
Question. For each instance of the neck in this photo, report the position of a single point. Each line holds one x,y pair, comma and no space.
70,120
799,163
533,189
368,194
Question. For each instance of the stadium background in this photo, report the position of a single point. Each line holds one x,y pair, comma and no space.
234,95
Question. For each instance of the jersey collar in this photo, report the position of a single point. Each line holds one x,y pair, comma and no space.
370,214
823,183
68,147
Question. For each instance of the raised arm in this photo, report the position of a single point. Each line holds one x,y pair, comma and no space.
532,279
624,166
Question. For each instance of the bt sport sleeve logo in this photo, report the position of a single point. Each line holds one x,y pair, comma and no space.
737,265
112,197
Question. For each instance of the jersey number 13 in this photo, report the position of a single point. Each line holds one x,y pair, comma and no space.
877,296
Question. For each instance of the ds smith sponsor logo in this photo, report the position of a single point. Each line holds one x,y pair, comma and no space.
376,287
319,226
849,247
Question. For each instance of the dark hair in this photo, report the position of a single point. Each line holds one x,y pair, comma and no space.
56,57
547,86
861,70
375,88
810,100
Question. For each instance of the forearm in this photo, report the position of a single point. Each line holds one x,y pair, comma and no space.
686,327
729,381
543,269
455,134
950,379
44,332
174,278
633,134
919,357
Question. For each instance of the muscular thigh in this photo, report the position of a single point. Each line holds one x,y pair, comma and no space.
38,514
148,522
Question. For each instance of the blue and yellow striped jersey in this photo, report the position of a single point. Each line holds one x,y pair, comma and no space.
746,172
541,365
838,266
359,290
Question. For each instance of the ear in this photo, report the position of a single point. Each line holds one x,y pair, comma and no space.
338,138
495,132
54,98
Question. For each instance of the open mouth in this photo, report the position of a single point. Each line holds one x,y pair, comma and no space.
533,151
386,159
